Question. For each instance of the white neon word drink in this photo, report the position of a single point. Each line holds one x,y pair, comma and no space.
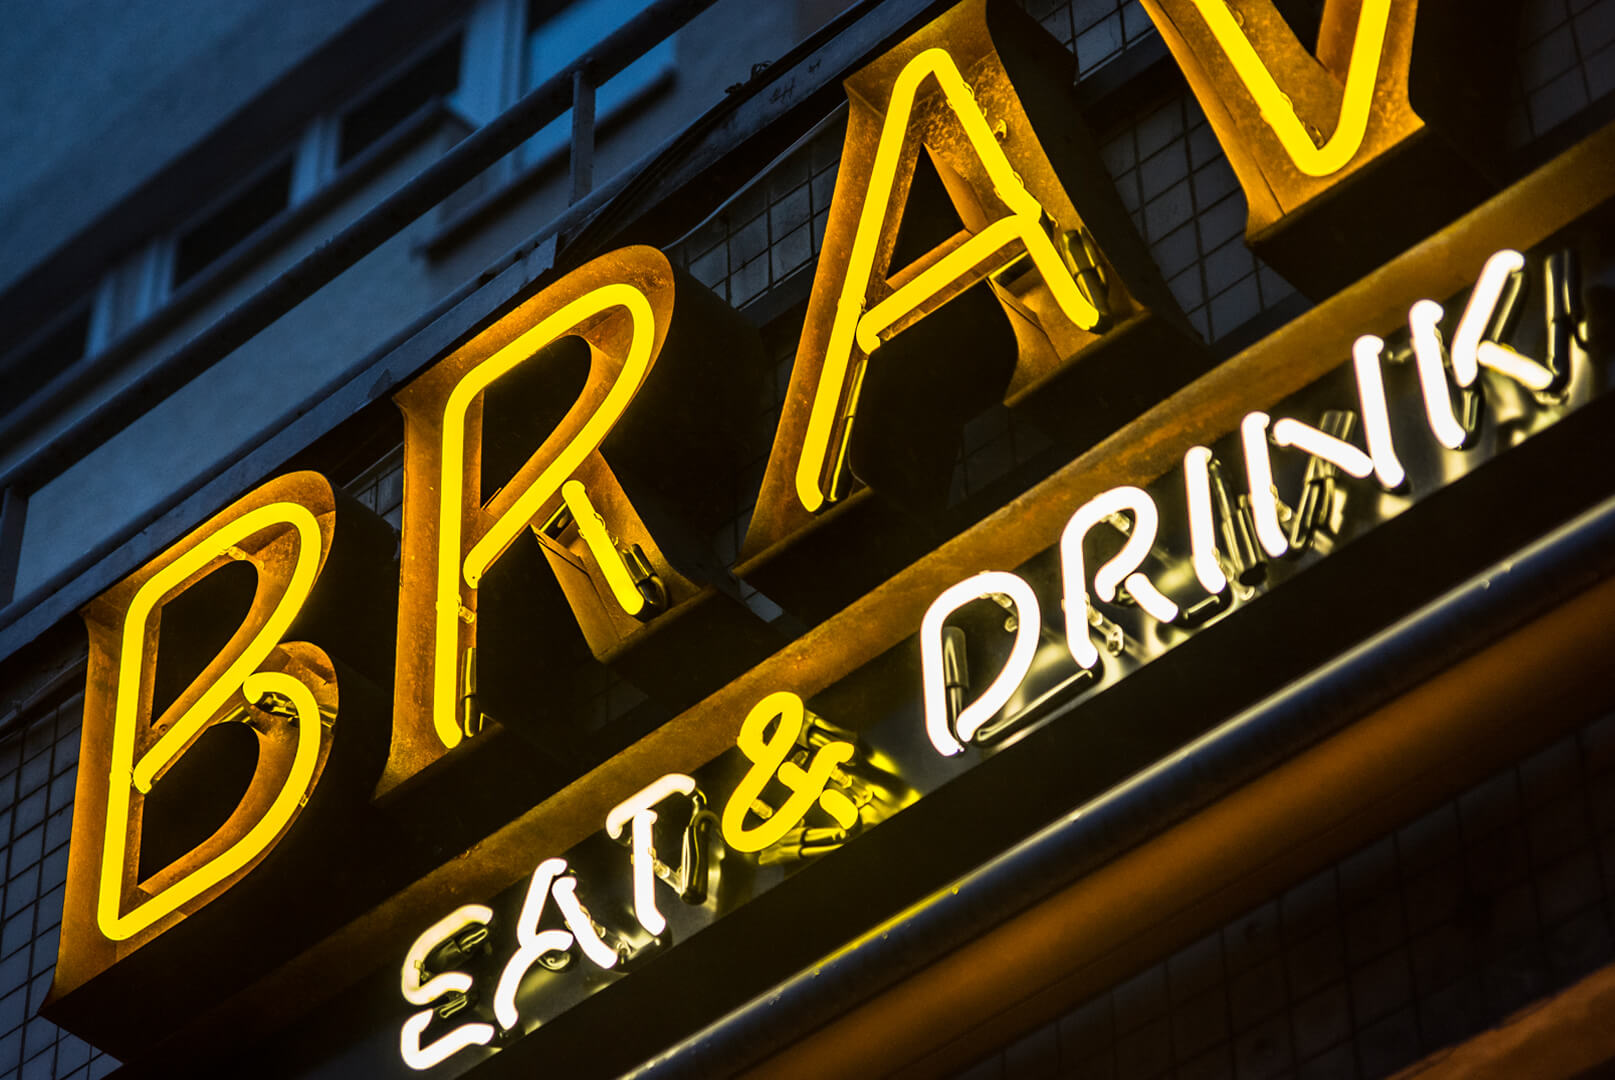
1258,434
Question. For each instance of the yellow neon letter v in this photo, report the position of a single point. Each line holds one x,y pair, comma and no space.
1276,108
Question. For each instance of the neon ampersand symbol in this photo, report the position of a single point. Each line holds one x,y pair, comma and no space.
769,758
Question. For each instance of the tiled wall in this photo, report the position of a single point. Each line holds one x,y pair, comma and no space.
1097,31
1172,175
1429,935
772,229
1187,205
1567,61
38,768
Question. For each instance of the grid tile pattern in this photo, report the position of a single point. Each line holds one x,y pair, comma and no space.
1423,938
1168,166
1187,204
1566,63
1096,31
995,444
38,770
771,229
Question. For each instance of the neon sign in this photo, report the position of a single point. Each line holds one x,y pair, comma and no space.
564,500
818,774
1041,232
1293,124
784,713
1072,281
229,717
1326,139
446,994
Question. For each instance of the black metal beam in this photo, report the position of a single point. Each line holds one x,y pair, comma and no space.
13,511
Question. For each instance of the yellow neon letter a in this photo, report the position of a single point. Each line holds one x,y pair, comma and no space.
861,321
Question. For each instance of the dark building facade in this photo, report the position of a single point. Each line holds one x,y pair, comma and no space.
903,538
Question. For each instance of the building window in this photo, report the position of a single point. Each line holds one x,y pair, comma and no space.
56,351
436,75
560,33
204,243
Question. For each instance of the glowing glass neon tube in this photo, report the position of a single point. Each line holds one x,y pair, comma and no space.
637,809
965,258
445,673
784,713
1424,319
213,700
1259,475
1523,370
1202,534
644,866
648,796
1276,107
1120,569
1470,350
1365,357
852,327
582,926
421,1058
592,527
1148,597
1337,452
532,943
416,992
1021,654
1466,340
127,774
